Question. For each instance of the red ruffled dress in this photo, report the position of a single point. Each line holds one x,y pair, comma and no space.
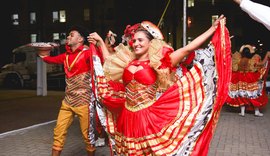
247,86
154,112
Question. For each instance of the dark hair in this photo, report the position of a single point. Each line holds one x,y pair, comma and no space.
147,33
82,31
246,53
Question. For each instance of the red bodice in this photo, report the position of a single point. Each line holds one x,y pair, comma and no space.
145,76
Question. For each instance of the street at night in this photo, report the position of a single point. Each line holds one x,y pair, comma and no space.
171,78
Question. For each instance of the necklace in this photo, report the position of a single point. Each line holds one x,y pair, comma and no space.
73,62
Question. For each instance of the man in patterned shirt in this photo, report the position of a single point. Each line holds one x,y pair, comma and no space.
79,93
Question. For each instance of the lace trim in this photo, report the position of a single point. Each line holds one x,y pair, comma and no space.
114,65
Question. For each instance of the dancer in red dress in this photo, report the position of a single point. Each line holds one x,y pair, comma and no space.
247,87
152,111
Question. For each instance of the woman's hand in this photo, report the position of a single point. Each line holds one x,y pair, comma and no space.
217,21
94,38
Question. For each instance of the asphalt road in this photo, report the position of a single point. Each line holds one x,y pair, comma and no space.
17,109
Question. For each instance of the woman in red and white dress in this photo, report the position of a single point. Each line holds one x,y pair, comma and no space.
152,111
247,86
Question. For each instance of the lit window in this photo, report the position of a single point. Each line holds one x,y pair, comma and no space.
33,38
189,21
56,36
86,14
63,38
213,2
55,16
32,17
190,3
214,18
189,39
62,16
15,19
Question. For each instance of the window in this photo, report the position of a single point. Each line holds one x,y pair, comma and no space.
189,21
190,3
33,38
214,17
55,16
213,2
86,14
63,38
56,36
59,16
32,17
15,19
62,16
190,39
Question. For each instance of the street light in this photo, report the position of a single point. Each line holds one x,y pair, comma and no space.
184,22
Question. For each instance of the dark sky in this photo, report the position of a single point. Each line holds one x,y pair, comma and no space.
130,5
6,38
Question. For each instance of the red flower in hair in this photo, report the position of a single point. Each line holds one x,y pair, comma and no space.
130,43
130,30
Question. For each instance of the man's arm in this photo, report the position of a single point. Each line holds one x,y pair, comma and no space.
237,1
256,11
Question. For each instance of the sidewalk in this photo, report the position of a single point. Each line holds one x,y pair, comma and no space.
241,136
37,141
234,136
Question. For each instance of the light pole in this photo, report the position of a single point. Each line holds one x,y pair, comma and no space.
184,22
41,66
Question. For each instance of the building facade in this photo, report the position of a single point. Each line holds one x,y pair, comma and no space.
48,21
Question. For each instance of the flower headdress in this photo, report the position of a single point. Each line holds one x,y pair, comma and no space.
129,32
147,25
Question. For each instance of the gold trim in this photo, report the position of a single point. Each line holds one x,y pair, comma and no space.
139,106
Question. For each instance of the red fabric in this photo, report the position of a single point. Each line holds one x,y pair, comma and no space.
184,65
151,118
166,60
98,52
223,60
116,86
164,111
114,105
249,77
130,30
144,76
189,59
98,125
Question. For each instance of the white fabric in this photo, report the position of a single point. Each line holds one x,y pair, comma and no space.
256,11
